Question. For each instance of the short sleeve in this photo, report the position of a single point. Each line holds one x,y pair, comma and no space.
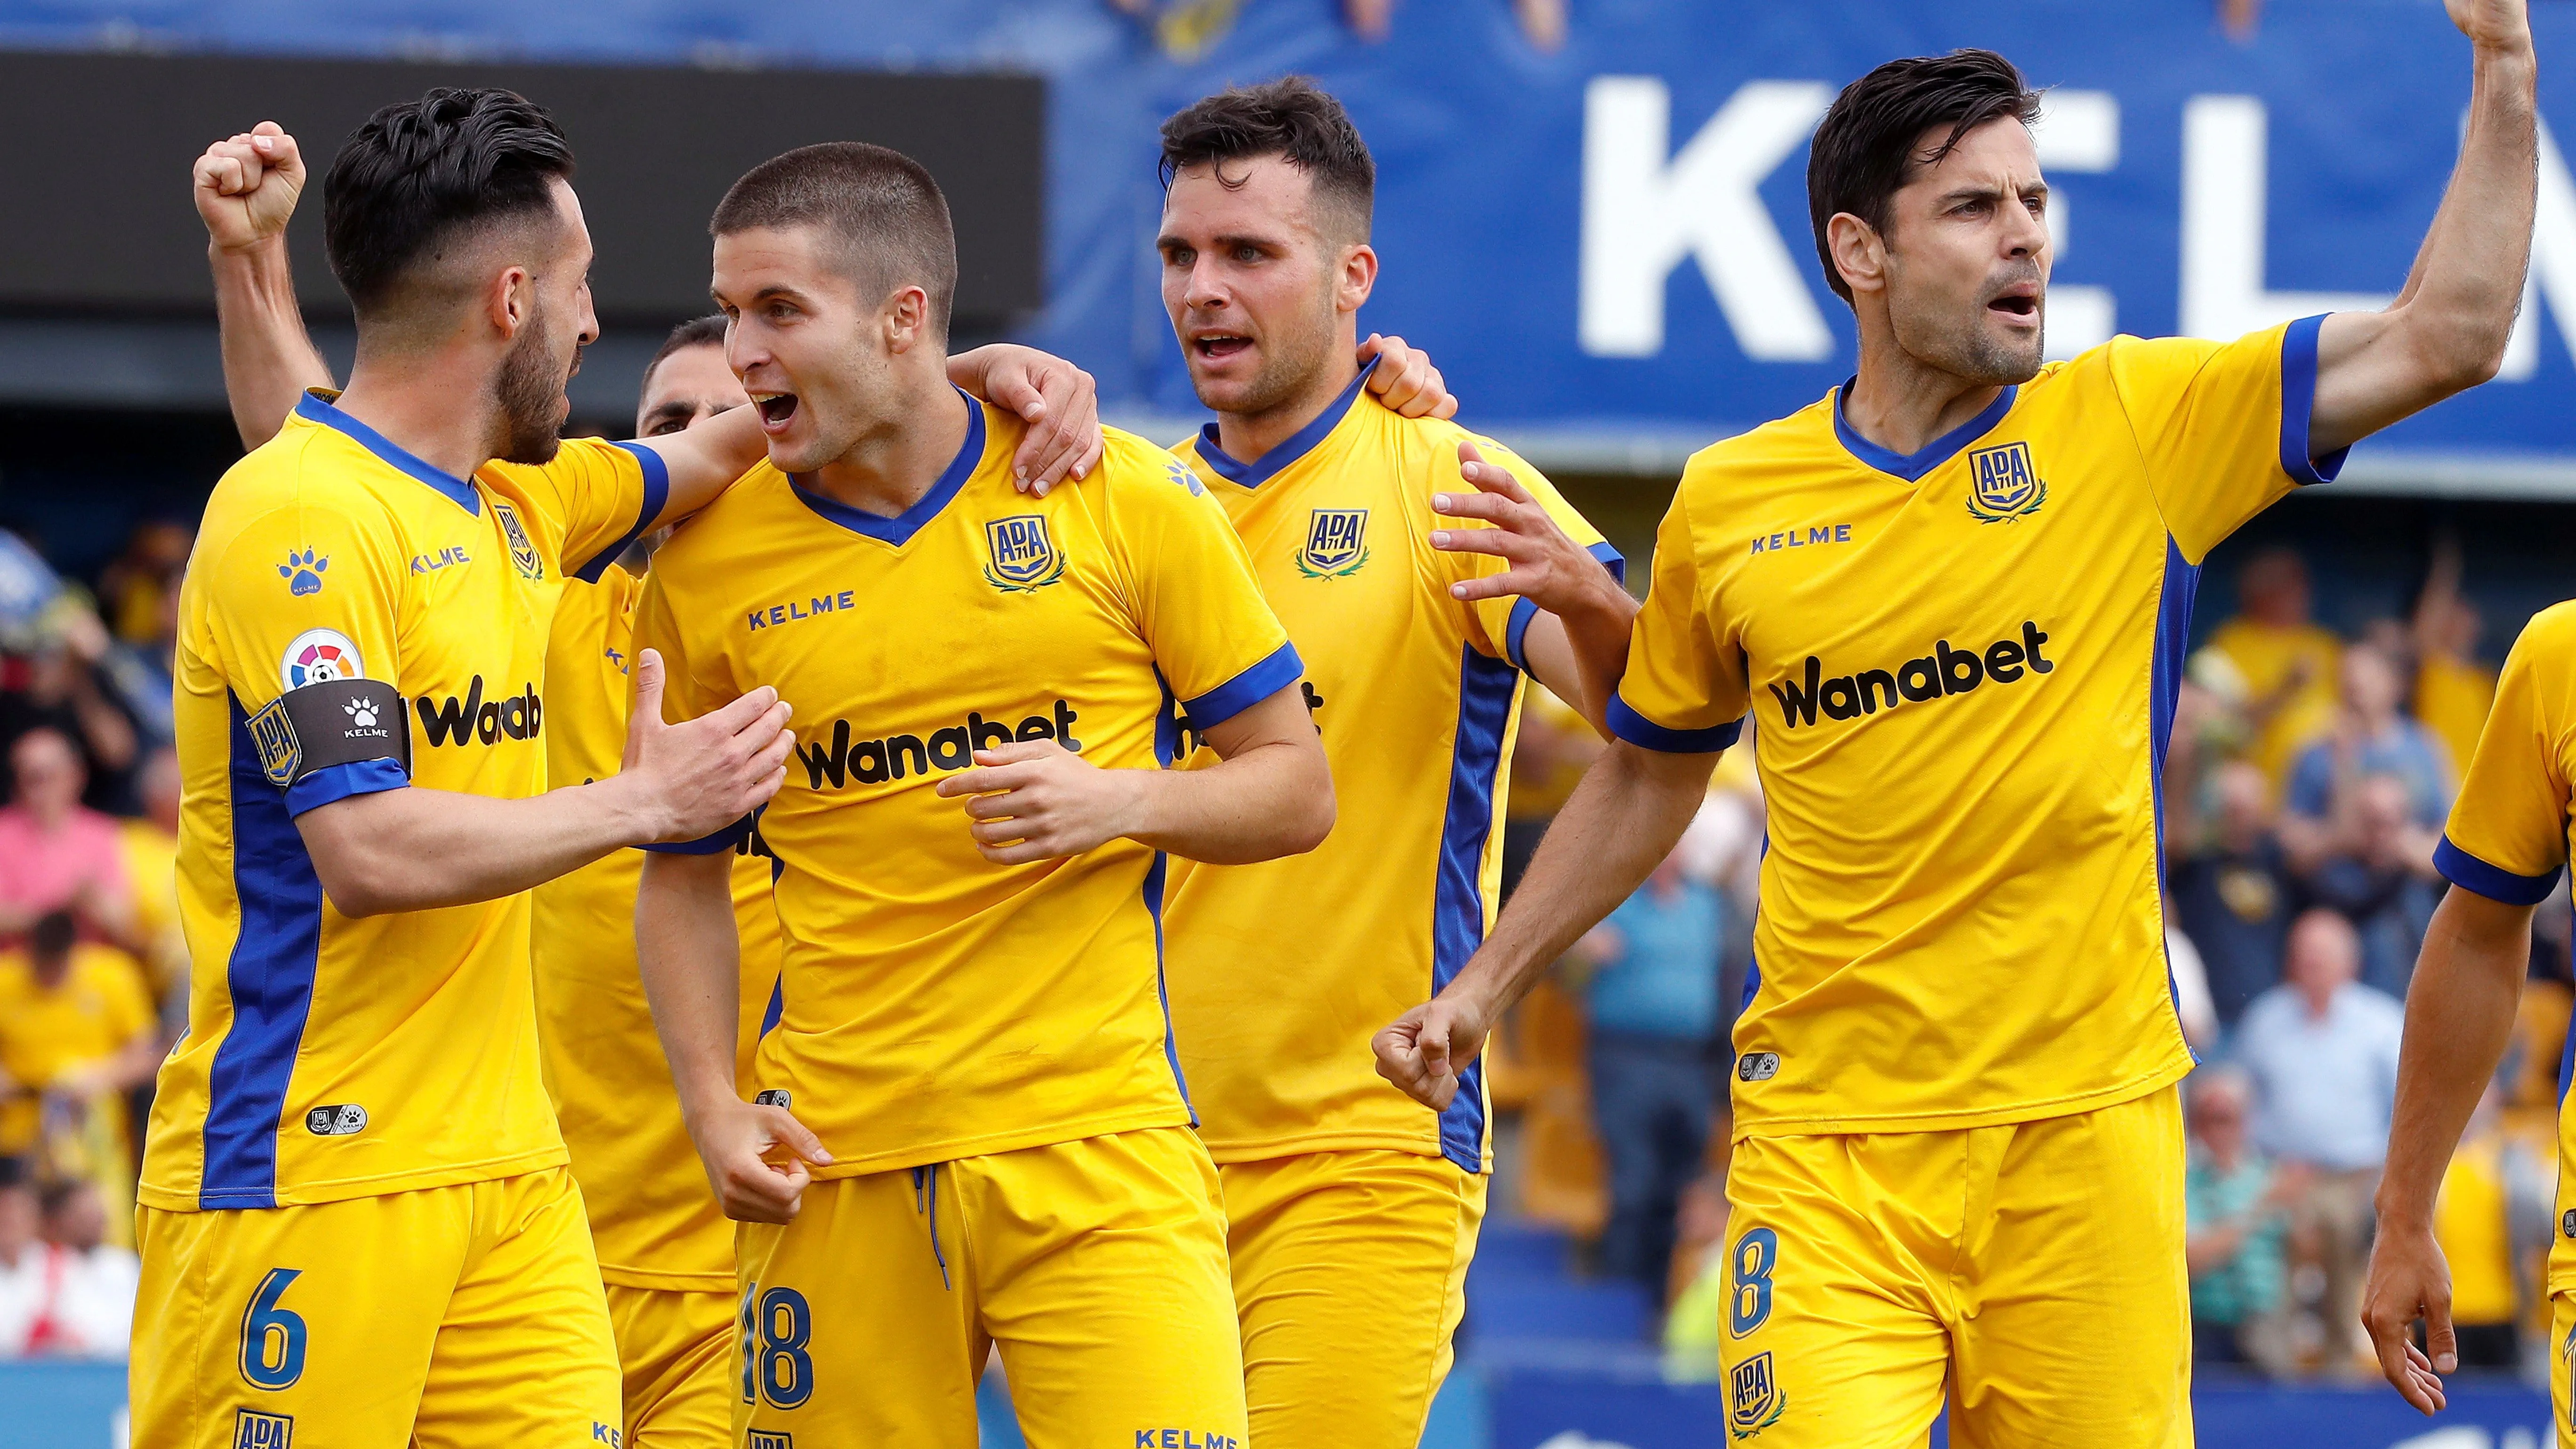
2507,837
1684,691
690,687
599,497
2222,427
305,595
1198,605
1500,623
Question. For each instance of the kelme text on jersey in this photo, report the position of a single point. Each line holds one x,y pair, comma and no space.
453,721
1947,670
871,762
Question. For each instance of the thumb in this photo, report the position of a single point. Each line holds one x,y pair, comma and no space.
1434,1042
2441,1342
796,1138
1372,346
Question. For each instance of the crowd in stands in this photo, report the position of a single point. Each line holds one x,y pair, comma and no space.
93,967
2307,781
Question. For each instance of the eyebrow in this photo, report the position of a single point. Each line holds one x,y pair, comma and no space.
1227,240
675,408
1975,193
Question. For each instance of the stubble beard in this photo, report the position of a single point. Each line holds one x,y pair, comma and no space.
530,392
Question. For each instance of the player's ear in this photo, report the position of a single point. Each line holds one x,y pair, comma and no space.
1359,277
907,319
1859,252
509,296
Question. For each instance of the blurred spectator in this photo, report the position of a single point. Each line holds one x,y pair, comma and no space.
2453,691
2236,1203
2369,737
137,587
59,685
1652,997
2473,1221
1702,1280
57,854
2232,893
76,1034
2381,878
2322,1051
150,844
2286,659
22,1256
85,1297
141,672
1549,755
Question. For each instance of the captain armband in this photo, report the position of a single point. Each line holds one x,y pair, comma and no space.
336,722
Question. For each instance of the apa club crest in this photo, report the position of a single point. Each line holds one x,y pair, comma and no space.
1023,557
1336,545
2003,486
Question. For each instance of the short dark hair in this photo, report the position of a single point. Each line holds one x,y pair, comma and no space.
1292,118
1865,147
418,173
881,205
708,331
52,936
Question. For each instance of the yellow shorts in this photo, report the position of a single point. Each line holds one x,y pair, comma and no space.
2562,1361
455,1316
2036,1269
1098,1267
681,1358
1350,1272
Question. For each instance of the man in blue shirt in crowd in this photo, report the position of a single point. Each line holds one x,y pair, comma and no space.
1653,1002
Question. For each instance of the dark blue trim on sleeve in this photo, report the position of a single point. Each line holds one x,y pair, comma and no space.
726,839
2494,882
2299,404
1245,690
657,495
339,782
1523,611
1644,733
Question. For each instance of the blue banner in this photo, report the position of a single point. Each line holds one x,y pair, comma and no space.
1607,245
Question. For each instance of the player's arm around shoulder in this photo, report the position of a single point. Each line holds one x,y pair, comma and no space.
1197,605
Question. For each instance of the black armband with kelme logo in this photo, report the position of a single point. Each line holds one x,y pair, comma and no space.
336,722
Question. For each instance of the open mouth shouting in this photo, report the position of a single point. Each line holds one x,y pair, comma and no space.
1218,346
777,409
2020,300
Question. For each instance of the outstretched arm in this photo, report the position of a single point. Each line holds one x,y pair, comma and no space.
1623,819
246,188
2446,332
2459,1018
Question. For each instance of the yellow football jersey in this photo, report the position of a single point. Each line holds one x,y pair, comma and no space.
95,1012
1964,663
1274,1023
936,1005
652,1216
2514,823
330,1058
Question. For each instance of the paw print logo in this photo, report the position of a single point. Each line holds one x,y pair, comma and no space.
362,713
303,572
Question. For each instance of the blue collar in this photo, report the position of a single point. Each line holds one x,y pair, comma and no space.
1912,466
313,407
1298,444
899,529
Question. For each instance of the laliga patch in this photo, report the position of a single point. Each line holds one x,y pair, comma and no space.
318,656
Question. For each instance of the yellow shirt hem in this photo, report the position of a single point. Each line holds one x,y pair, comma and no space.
1965,1119
313,1194
994,1144
1261,1149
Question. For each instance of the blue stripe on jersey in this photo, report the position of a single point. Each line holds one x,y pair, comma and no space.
2567,1060
776,1011
2173,650
1276,671
1298,444
1486,688
657,494
2494,882
1162,993
1912,466
339,782
456,490
2299,404
899,529
1523,611
270,981
1644,733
